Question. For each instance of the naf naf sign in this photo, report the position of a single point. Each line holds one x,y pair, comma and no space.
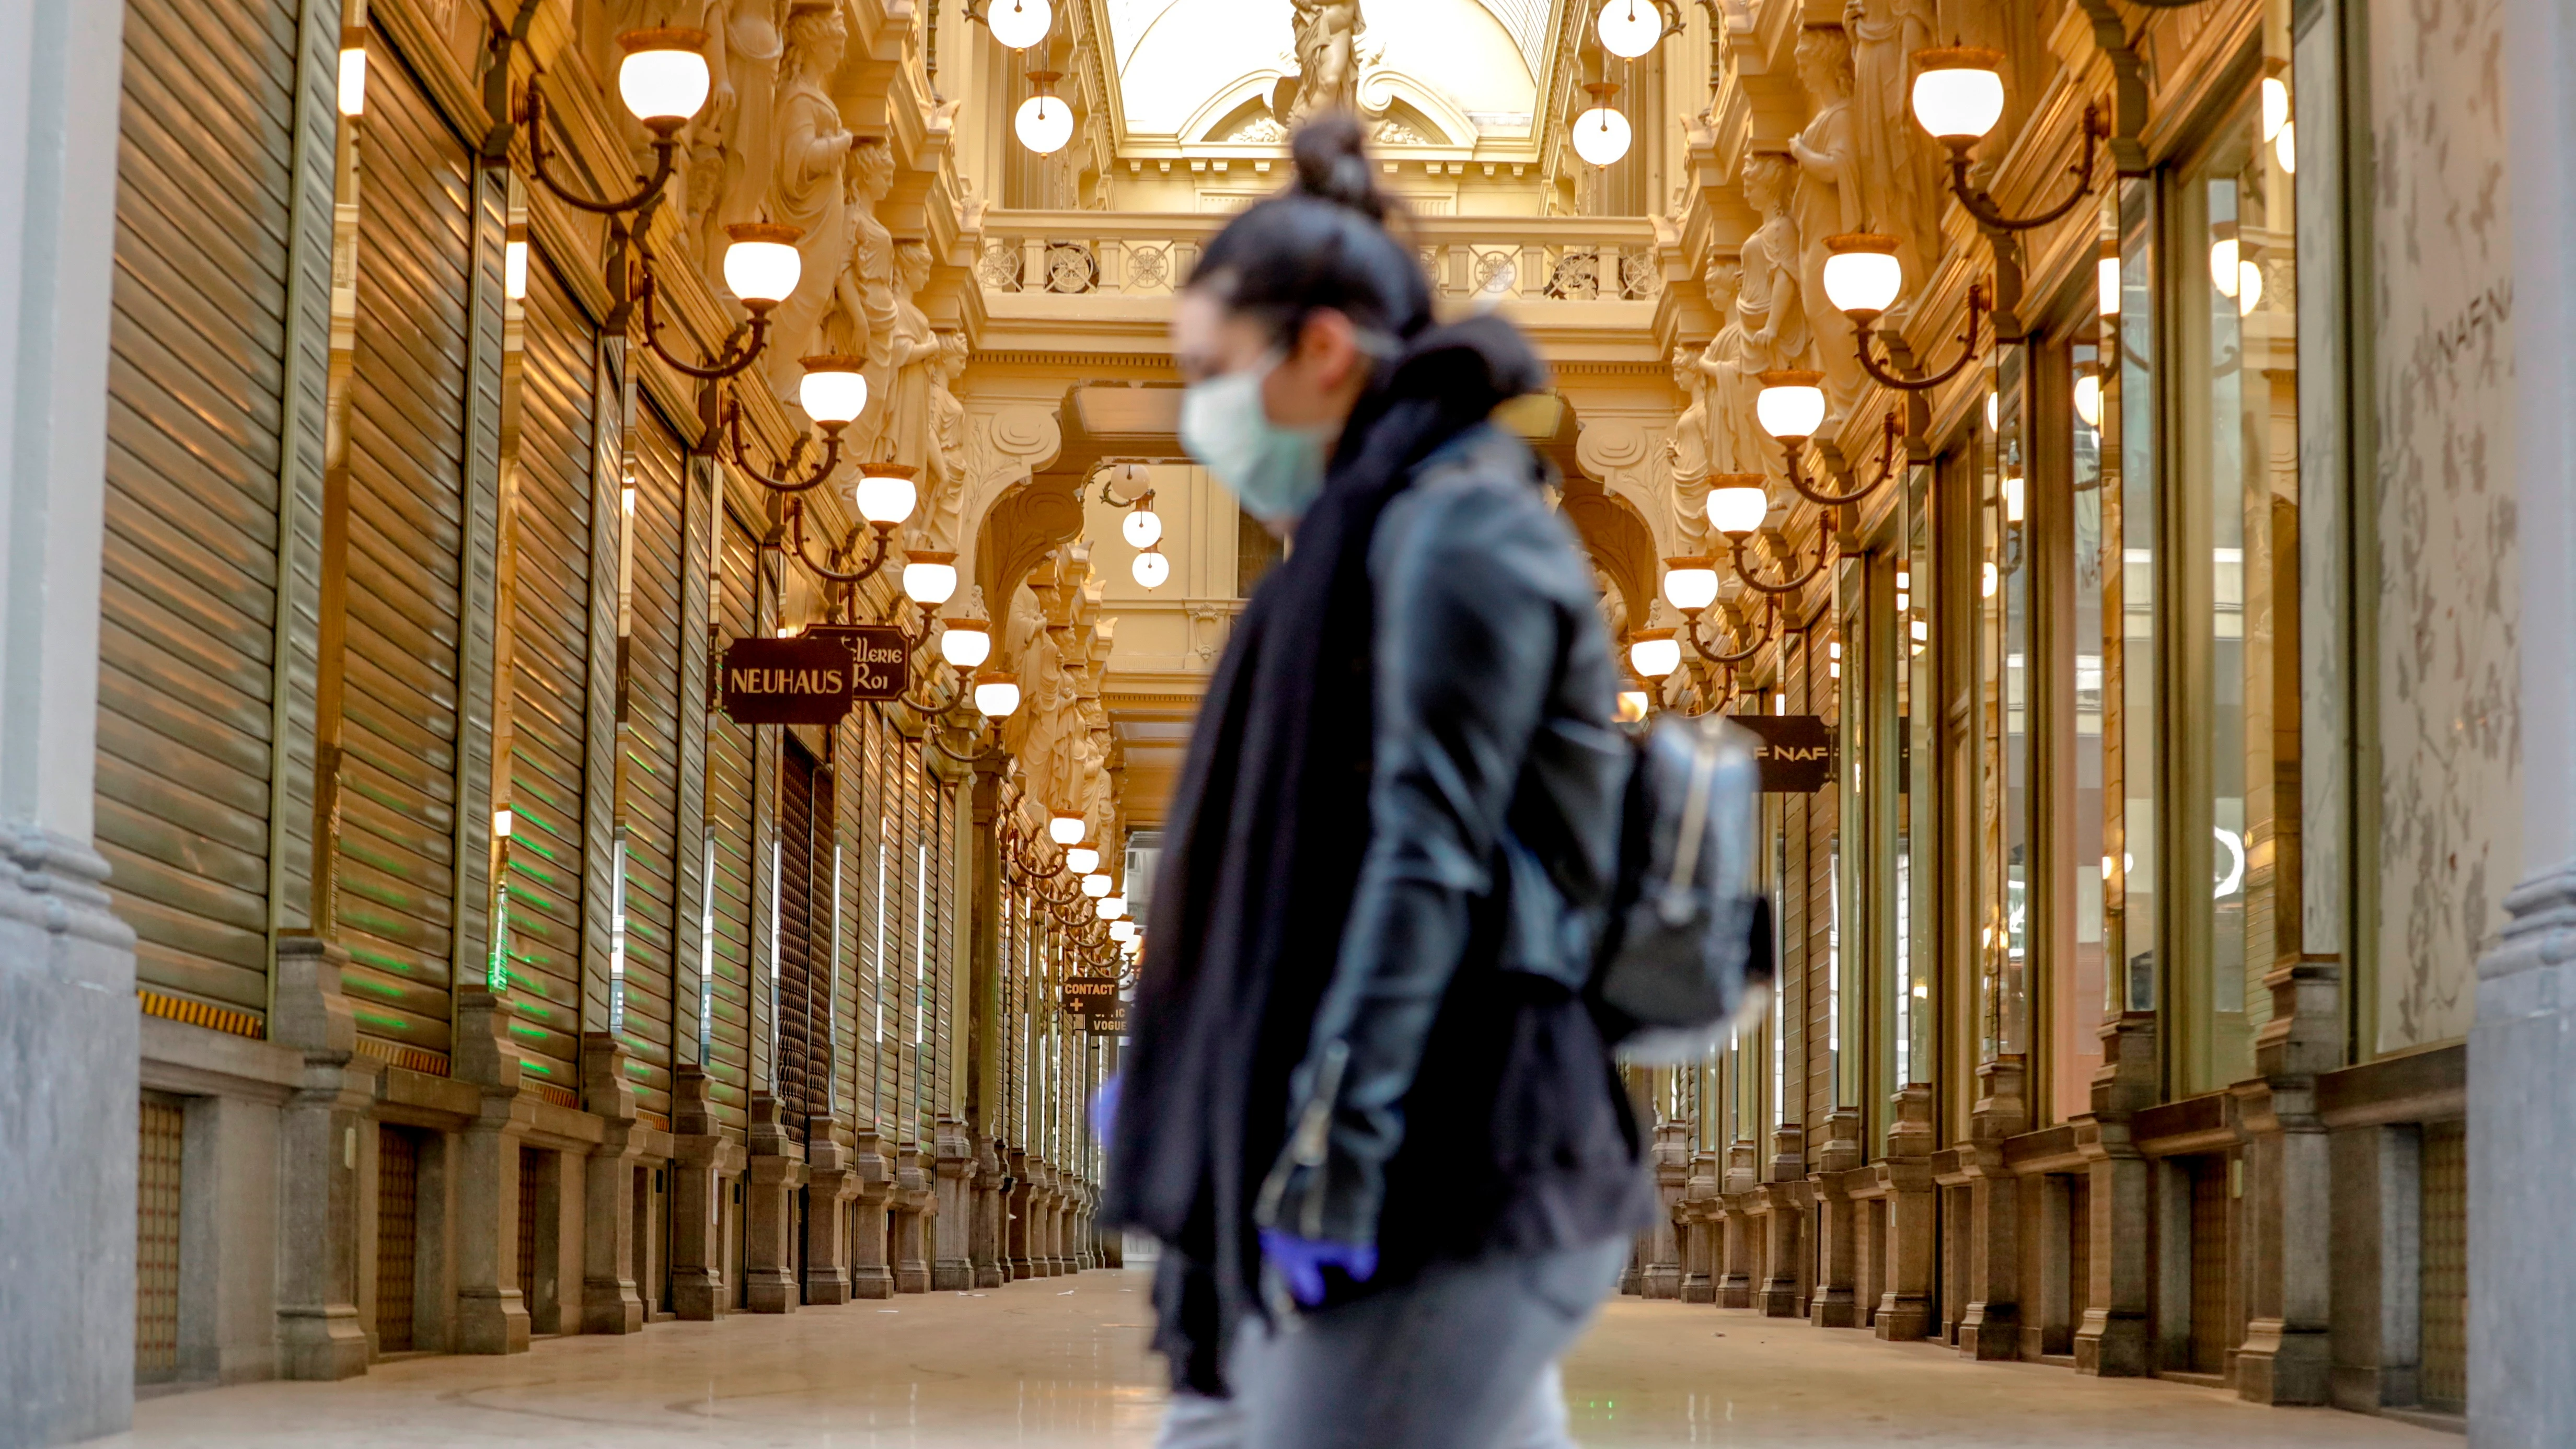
1796,752
787,681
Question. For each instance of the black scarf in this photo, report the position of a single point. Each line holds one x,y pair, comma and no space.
1262,851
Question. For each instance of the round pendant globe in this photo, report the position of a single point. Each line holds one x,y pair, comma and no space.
834,391
1044,124
1152,569
930,579
1654,653
1019,24
1862,275
1601,135
2088,400
1738,508
1630,28
1122,931
761,264
1096,885
966,643
1142,529
1690,584
664,77
1958,92
885,493
1112,907
1791,403
997,695
1082,860
2106,286
1067,829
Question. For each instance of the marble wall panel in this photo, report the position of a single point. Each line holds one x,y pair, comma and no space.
2442,312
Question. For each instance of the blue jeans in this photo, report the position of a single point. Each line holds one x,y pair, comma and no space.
1463,1357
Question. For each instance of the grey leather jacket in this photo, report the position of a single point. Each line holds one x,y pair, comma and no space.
1454,1044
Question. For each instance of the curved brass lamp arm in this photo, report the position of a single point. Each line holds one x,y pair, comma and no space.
877,550
740,455
1982,206
1710,653
1891,432
1978,306
739,351
1824,552
665,161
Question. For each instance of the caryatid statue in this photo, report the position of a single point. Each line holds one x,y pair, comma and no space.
1716,434
943,502
806,186
743,49
1328,63
912,354
1829,203
1900,165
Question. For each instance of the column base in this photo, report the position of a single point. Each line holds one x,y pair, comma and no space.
697,1294
2113,1346
611,1305
490,1321
1904,1318
2282,1365
321,1347
871,1281
769,1290
1990,1334
951,1275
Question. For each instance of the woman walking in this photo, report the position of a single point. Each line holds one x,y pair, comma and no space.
1367,1108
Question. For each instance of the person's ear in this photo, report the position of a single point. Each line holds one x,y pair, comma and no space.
1328,348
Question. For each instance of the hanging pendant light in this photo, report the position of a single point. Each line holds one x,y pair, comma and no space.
1019,24
1654,653
966,643
1601,135
1690,584
1791,404
1738,505
1045,122
1082,860
1067,829
664,79
1630,28
997,694
930,579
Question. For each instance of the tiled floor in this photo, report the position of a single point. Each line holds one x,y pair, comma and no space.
1061,1363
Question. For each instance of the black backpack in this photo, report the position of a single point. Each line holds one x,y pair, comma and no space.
1687,949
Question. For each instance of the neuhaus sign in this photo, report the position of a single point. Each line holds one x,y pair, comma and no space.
1796,753
787,681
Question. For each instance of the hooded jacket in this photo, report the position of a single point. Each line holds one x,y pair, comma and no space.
1382,882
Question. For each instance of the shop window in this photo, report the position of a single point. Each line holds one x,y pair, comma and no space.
397,1237
2444,1381
156,1240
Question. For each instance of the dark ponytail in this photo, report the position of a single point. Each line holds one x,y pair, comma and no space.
1322,243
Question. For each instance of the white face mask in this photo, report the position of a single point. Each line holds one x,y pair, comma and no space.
1276,473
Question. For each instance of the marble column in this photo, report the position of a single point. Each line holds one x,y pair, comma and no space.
1913,1243
1784,1201
491,1313
911,1206
1698,1222
2522,1050
1835,1303
609,1300
952,1267
1020,1234
871,1275
702,1157
318,1330
985,1245
2116,1339
1660,1274
776,1170
1990,1325
69,1040
831,1186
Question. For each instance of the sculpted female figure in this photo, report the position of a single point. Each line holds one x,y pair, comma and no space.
1829,202
743,47
945,498
911,352
805,186
1900,166
1771,323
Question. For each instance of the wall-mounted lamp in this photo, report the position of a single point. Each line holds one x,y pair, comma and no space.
353,70
1958,97
1862,278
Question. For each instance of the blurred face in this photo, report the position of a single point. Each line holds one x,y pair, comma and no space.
1321,371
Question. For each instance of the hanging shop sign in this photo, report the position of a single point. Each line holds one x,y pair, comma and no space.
1091,995
1796,751
787,681
881,662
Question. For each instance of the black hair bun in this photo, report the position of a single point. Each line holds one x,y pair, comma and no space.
1331,152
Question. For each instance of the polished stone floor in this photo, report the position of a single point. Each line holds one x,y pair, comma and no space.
1061,1363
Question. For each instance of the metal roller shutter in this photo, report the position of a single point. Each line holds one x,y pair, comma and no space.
729,772
868,765
406,545
803,1032
912,911
652,743
549,679
196,381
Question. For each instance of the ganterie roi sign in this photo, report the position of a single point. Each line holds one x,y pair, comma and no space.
815,677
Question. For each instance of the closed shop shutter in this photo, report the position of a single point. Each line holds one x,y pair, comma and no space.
875,858
943,877
549,678
397,1237
652,806
912,911
158,1204
802,1033
196,380
406,549
729,772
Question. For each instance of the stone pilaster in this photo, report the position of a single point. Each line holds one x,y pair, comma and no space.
2117,1338
775,1170
702,1158
2287,1357
1990,1325
609,1300
871,1269
491,1315
831,1185
1660,1275
1913,1244
1834,1303
1738,1272
952,1268
985,1246
911,1204
1022,1228
319,1334
1784,1246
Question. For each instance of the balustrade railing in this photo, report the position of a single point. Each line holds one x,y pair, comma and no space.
1536,259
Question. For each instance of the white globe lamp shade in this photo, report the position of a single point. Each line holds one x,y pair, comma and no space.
1690,584
1654,653
1152,569
2088,400
1142,528
930,579
966,643
664,79
1082,860
1630,28
761,266
1068,829
1044,124
997,695
1958,92
885,493
1097,885
1113,907
1019,24
1791,404
1122,931
353,75
1601,135
834,391
2276,105
1738,505
1862,276
2106,283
